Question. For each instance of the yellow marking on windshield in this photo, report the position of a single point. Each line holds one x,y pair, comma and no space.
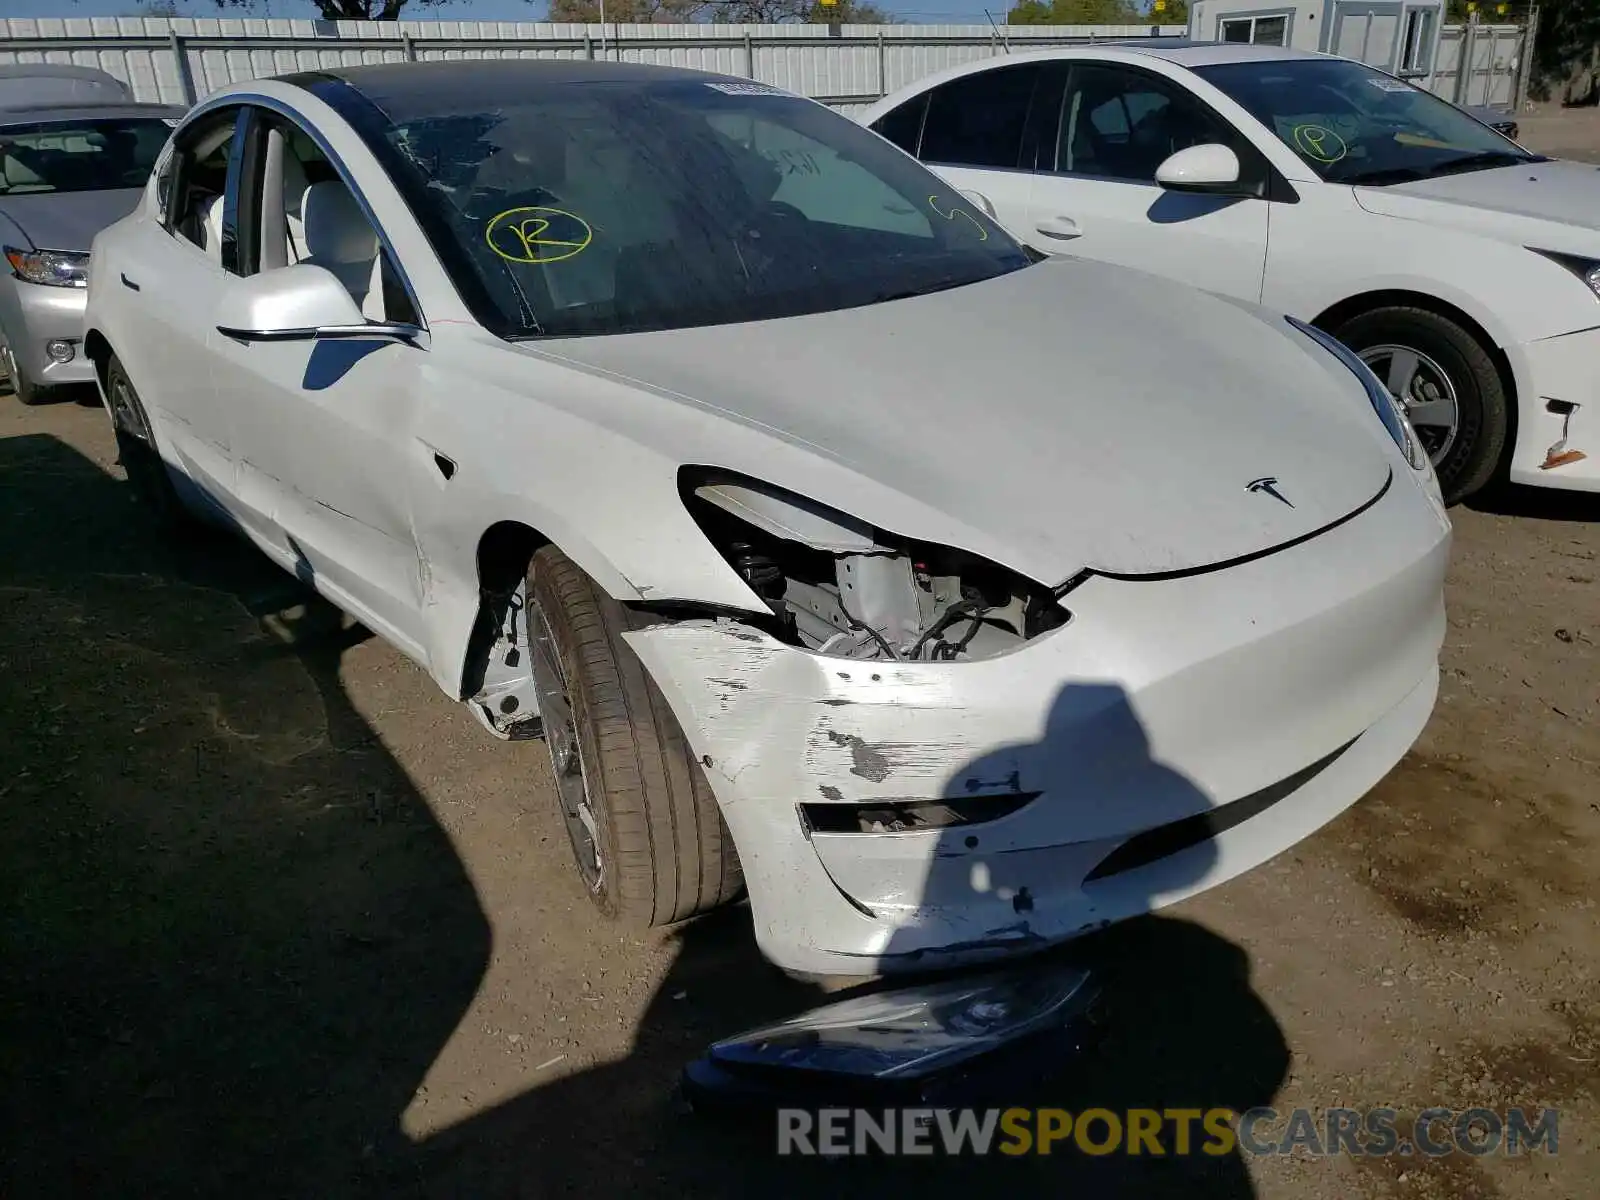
933,203
1319,142
537,235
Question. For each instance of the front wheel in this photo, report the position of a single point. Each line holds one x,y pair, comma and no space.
649,839
1447,383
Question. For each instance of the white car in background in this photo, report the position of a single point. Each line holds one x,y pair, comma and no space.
1462,268
814,524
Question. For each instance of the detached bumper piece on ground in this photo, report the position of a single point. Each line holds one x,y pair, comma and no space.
948,1042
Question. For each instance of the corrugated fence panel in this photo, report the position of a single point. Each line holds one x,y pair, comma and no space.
865,62
862,64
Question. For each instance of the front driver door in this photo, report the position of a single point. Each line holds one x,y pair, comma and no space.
323,430
1096,195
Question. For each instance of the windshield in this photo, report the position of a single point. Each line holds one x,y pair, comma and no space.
614,206
1352,124
79,156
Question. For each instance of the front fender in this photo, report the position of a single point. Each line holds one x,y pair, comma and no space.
1513,294
564,469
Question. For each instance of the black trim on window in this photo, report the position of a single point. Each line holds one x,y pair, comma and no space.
165,173
1039,129
241,202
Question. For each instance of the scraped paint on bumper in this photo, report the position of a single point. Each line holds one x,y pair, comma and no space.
1173,734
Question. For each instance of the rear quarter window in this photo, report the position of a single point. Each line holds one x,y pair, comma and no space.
978,120
903,125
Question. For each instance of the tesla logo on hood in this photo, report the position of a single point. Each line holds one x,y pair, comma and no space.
1269,485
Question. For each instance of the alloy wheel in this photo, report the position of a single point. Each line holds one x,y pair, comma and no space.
1424,390
566,751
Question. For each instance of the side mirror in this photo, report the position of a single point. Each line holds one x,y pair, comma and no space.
980,200
302,303
1212,168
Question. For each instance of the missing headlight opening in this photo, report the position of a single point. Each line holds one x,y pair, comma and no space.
840,587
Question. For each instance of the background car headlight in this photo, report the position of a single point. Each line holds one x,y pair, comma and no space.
1389,410
52,268
1586,269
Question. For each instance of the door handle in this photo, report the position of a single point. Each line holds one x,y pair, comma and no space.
128,283
1062,228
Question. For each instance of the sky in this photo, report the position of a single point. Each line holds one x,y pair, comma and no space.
920,11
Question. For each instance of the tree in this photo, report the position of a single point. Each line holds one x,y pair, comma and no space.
735,12
1171,12
1566,52
348,10
1075,12
627,12
1490,12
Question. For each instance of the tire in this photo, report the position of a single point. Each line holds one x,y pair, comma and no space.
1471,457
136,452
23,388
663,852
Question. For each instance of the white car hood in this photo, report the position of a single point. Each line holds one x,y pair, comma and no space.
1072,414
1506,200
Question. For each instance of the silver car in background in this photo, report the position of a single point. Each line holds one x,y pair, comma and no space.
67,170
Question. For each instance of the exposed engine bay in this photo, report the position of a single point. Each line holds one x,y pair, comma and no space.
839,587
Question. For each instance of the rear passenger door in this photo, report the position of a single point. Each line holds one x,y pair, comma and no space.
176,269
977,132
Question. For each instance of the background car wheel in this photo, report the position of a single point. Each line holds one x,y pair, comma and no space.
1448,384
136,451
23,388
649,839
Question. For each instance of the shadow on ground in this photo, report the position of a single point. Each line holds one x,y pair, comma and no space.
235,938
1181,1028
1546,504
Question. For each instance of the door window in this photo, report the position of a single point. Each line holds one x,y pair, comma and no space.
903,125
1118,124
199,182
304,211
979,120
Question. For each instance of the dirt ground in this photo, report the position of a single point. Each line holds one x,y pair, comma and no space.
280,920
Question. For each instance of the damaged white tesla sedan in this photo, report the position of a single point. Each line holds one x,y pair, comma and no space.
955,602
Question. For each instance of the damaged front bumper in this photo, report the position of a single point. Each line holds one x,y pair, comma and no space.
1176,732
1558,418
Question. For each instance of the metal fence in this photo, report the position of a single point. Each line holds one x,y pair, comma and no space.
181,60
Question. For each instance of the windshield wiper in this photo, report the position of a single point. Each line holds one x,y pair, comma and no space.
1482,161
943,284
1383,175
